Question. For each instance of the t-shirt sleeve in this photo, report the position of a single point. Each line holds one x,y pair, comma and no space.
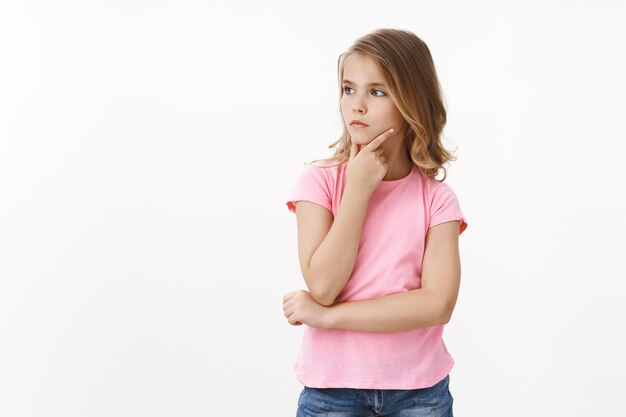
312,185
445,207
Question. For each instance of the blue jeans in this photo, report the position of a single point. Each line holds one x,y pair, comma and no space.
353,402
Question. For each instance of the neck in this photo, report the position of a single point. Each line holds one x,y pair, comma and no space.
399,166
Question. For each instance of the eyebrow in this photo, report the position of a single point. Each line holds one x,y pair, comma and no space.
370,84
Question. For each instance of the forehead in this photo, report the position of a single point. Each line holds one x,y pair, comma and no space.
361,68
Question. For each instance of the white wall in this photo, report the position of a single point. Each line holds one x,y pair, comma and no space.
147,149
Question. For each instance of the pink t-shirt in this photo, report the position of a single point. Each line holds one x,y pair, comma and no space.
389,260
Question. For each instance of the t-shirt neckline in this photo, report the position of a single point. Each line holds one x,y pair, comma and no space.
399,180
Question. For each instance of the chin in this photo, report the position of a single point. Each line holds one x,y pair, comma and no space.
360,140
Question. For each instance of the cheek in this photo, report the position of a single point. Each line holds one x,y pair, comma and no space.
346,108
388,113
394,114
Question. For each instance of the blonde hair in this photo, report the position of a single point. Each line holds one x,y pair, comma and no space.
414,88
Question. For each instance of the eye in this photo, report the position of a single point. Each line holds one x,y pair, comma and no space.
380,91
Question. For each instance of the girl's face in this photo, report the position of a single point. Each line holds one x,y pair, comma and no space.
367,103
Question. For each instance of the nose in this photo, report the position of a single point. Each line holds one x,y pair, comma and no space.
358,105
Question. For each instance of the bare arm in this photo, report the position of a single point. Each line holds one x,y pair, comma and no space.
331,250
332,262
430,305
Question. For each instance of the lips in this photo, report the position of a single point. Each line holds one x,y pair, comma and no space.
357,123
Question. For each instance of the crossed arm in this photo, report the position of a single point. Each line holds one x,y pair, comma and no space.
430,305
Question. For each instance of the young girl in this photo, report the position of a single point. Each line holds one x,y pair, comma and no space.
378,242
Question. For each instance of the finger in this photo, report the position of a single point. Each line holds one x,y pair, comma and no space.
291,319
354,150
379,140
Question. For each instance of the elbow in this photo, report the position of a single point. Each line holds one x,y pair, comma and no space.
321,294
446,314
323,298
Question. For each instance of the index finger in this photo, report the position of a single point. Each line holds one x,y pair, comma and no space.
377,141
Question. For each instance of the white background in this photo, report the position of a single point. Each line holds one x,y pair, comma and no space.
147,149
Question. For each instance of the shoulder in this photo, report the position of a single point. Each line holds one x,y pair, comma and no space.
328,170
330,165
443,204
317,183
435,188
